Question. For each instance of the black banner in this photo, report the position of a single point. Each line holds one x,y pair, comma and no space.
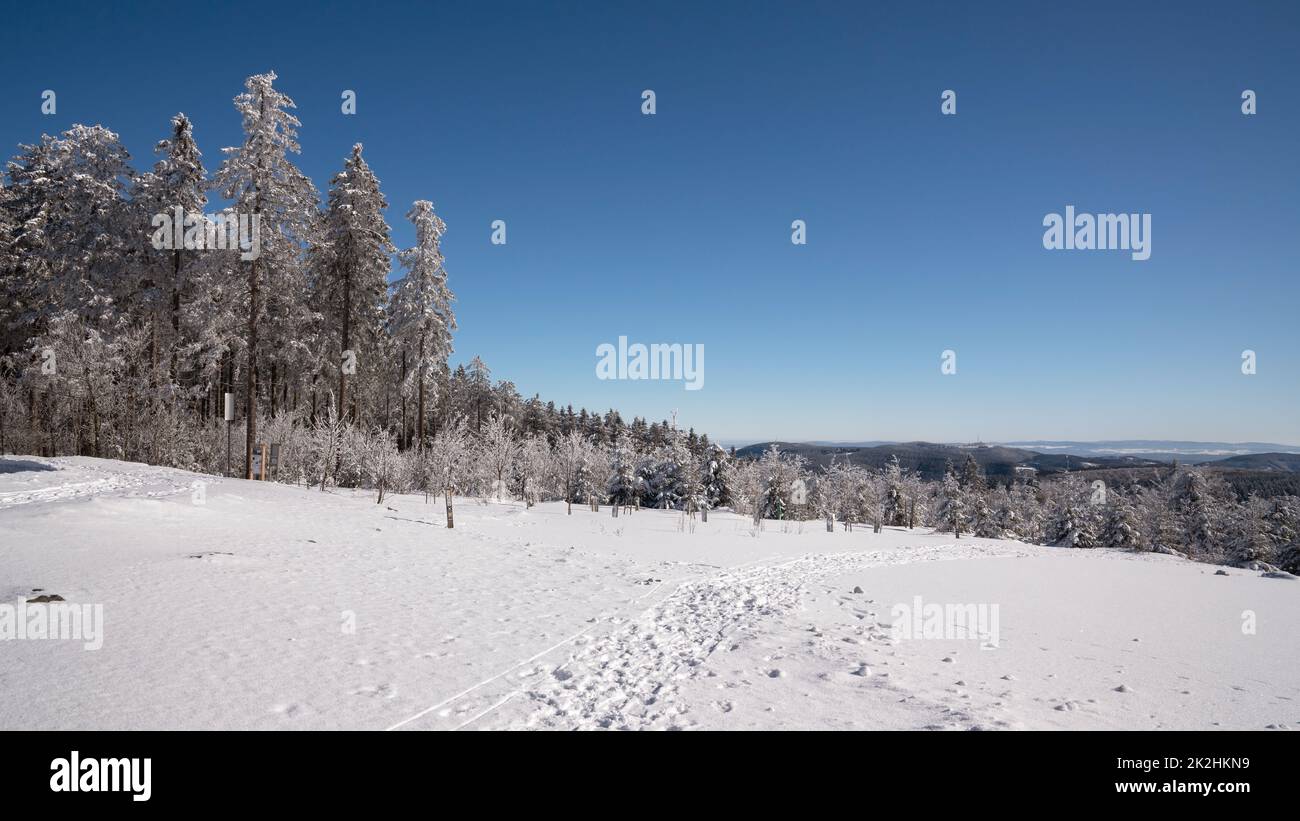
148,771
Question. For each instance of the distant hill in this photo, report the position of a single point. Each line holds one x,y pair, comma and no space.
1165,450
929,459
1280,462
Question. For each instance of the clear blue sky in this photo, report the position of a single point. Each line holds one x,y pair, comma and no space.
924,231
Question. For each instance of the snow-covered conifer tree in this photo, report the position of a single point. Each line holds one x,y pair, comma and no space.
780,473
350,267
669,487
263,183
420,313
971,477
1197,503
895,512
984,520
1282,521
624,488
952,513
1247,543
1120,529
1071,523
712,472
178,180
68,206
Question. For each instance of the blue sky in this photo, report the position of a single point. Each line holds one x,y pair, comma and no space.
924,231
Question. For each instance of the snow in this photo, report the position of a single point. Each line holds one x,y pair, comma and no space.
227,604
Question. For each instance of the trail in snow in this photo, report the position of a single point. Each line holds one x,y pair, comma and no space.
54,485
614,617
629,679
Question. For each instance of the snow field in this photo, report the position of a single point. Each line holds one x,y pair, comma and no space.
262,606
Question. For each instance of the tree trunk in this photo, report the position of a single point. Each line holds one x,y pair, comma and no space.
419,422
346,340
447,494
33,437
406,432
275,372
176,313
250,378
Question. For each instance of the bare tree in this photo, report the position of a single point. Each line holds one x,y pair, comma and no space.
327,439
572,458
497,451
535,464
380,459
449,456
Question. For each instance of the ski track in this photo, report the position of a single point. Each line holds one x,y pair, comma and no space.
593,623
160,483
629,679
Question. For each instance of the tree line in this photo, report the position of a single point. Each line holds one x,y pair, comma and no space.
1185,511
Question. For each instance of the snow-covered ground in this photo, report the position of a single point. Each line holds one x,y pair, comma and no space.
253,605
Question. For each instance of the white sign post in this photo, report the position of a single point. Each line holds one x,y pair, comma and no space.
230,418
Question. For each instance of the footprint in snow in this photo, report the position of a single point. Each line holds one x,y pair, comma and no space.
378,691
